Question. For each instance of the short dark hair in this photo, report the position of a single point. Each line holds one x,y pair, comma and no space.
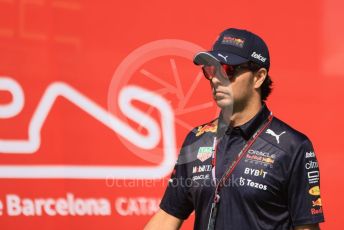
266,87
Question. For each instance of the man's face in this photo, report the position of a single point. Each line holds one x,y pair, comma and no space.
235,90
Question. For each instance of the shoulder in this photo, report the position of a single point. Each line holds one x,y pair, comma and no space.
201,131
285,137
199,137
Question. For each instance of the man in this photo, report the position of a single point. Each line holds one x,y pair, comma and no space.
247,169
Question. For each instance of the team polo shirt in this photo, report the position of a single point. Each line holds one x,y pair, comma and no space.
276,185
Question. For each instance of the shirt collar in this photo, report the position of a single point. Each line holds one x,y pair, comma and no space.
247,129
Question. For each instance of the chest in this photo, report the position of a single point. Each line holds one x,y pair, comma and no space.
259,175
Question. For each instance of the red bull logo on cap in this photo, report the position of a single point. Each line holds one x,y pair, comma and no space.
229,40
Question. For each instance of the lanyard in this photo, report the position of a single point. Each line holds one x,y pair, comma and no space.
231,167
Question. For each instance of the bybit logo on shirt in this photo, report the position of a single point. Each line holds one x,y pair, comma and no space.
258,56
255,172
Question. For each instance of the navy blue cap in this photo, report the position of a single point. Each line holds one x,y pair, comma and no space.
234,47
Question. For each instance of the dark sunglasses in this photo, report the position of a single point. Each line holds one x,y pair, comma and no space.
223,70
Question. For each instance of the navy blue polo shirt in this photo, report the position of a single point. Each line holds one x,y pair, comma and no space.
276,185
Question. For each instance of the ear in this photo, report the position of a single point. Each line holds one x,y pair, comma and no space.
259,77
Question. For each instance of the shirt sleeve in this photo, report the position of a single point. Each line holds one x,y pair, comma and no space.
177,200
304,201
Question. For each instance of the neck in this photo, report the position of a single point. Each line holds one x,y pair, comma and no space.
241,113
